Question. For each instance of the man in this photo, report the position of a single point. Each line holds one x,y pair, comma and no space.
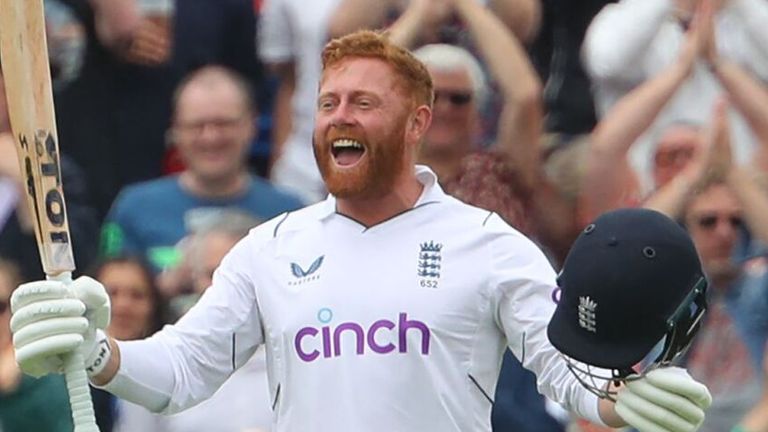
113,116
500,178
291,37
729,352
212,129
682,149
385,307
632,41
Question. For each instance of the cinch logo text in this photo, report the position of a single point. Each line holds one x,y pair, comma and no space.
311,342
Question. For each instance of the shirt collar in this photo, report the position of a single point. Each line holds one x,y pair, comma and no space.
432,191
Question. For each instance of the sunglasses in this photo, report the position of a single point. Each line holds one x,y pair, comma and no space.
709,222
456,98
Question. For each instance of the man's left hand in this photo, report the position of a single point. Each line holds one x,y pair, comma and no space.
665,400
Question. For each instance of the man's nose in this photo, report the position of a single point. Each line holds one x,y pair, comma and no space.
342,115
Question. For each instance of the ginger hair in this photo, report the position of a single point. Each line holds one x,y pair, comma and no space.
414,76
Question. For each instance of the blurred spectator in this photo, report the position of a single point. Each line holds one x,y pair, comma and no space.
521,17
26,403
291,35
138,311
212,130
610,180
727,354
633,40
202,251
501,178
17,236
677,144
66,43
112,117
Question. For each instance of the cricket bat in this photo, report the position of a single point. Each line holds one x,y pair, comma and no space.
24,56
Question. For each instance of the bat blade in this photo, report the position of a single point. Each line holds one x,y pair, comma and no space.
24,56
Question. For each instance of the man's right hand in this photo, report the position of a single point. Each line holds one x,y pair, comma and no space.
52,319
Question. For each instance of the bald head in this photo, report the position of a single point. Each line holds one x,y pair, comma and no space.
215,80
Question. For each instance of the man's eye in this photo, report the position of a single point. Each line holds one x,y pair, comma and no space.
325,105
364,103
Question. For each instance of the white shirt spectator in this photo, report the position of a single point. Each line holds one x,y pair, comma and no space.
296,31
633,40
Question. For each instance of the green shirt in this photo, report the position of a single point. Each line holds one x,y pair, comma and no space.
37,405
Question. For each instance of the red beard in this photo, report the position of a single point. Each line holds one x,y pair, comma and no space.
372,177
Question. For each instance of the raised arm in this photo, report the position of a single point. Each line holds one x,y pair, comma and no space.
523,17
750,98
747,94
418,19
670,198
116,21
619,36
608,169
753,15
352,15
520,121
740,179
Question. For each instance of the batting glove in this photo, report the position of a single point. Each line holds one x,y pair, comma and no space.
664,400
51,319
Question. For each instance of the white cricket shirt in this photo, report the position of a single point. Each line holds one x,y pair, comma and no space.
396,327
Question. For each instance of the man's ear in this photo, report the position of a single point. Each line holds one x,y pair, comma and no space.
419,122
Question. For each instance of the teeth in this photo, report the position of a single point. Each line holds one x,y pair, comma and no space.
347,143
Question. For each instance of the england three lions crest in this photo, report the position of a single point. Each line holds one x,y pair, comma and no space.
429,263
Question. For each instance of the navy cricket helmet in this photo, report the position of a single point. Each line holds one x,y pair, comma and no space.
631,281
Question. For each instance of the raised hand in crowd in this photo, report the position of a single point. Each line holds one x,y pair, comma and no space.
420,20
135,35
622,126
150,44
747,94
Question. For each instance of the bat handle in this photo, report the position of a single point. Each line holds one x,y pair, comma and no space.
79,393
77,382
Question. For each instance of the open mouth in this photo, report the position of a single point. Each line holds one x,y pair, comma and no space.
347,152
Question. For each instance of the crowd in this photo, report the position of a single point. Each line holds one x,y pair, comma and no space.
183,124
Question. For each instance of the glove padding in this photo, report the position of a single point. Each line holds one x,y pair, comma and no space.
665,400
51,319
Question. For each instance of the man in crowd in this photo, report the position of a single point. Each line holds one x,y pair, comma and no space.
212,128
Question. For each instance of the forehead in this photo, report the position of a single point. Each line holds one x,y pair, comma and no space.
359,74
122,270
454,79
213,97
718,198
679,137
